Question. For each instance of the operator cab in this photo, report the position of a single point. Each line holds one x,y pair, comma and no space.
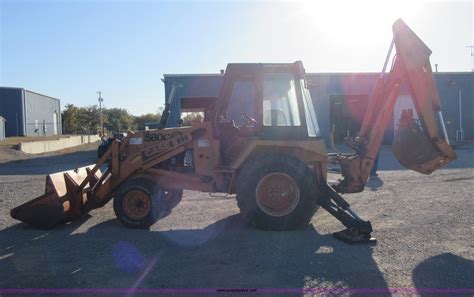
268,101
263,101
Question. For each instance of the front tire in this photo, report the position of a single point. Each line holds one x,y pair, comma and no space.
101,150
173,198
276,192
139,203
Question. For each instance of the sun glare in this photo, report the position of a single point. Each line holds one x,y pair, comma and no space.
352,22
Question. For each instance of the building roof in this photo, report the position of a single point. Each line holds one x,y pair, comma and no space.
377,73
312,73
26,90
192,74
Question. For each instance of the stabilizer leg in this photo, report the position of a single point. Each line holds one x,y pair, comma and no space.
358,230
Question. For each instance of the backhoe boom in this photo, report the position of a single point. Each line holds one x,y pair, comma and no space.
416,146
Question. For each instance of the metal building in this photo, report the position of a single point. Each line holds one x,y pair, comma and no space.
340,100
2,128
29,114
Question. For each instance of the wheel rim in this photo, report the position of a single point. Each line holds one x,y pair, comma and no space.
136,204
277,194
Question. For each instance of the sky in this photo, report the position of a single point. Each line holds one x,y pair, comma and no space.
72,49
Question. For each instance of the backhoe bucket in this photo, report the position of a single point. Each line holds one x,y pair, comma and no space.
63,200
417,145
415,151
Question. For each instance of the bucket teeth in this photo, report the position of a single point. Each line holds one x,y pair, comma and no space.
63,199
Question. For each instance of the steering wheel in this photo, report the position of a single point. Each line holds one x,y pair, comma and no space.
248,119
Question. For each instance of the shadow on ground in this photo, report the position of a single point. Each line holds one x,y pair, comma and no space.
388,162
225,254
374,183
48,164
446,271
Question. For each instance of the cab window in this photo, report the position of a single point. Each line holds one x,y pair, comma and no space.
242,100
280,105
310,114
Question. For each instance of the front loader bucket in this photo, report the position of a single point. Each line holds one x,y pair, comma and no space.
414,151
63,200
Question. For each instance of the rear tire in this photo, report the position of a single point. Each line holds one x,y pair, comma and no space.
139,203
276,192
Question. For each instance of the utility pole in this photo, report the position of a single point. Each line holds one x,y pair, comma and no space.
100,111
471,48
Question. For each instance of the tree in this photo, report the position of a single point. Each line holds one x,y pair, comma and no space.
81,119
70,120
140,121
190,117
87,119
90,119
119,120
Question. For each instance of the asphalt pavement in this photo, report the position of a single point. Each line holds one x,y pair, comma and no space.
424,226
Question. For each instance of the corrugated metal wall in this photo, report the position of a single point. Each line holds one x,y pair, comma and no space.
26,111
449,85
11,108
325,86
42,115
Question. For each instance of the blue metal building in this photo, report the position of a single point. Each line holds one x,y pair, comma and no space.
28,113
352,91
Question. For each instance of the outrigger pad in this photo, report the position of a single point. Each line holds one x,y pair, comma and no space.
352,236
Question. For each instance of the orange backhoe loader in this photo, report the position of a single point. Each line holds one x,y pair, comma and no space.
259,139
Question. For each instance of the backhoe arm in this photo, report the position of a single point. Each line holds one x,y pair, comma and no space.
417,146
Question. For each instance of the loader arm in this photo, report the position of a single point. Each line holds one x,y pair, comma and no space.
417,146
72,194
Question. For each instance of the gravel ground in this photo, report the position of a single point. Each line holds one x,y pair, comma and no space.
424,226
